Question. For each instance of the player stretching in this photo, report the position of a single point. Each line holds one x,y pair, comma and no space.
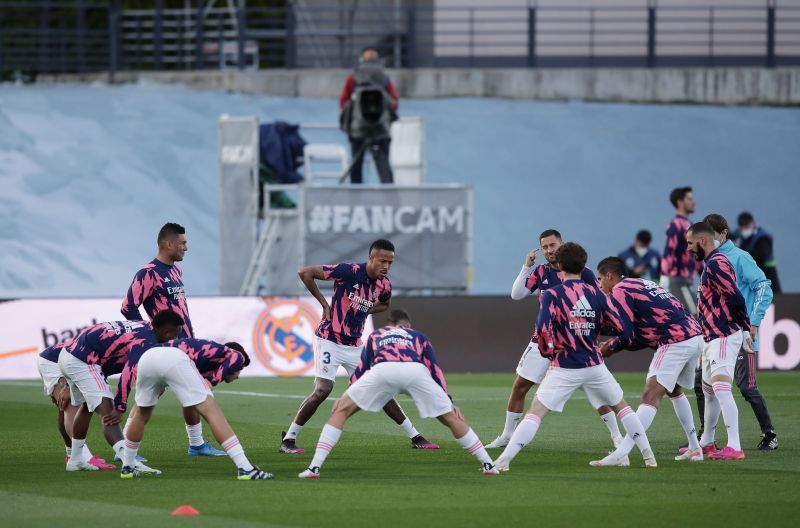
98,352
652,317
398,359
723,316
159,286
358,291
756,289
57,388
188,367
570,319
532,366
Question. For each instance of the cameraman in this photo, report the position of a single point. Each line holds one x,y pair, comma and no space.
369,104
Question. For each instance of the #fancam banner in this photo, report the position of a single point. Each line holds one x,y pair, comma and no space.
276,331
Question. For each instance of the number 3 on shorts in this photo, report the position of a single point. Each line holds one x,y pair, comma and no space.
326,357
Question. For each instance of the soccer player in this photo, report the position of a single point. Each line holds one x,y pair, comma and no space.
652,317
188,367
398,359
96,353
358,291
571,317
159,286
723,317
57,388
678,269
756,289
532,366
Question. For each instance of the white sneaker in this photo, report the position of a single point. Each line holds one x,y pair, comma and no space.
649,459
611,460
310,473
145,470
489,469
80,466
501,465
500,441
694,456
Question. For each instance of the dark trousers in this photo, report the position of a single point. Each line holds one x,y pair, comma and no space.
745,377
380,153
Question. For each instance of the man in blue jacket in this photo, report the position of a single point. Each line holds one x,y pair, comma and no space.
757,292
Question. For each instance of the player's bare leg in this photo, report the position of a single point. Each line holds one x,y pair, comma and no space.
322,389
194,431
396,413
80,427
343,409
514,409
66,417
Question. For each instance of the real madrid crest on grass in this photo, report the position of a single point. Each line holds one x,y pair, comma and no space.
283,335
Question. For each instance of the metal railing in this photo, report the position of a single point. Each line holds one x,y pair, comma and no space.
56,36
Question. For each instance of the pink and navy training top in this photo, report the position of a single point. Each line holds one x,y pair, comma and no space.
545,276
571,317
650,316
214,361
677,261
399,345
354,295
159,287
720,306
51,353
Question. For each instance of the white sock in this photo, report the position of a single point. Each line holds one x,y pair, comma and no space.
646,413
68,450
711,417
293,431
119,448
730,413
633,427
327,440
87,454
195,434
512,420
125,429
129,453
409,429
523,435
236,452
610,419
77,450
683,410
473,444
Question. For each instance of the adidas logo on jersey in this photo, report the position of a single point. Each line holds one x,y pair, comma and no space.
546,281
582,308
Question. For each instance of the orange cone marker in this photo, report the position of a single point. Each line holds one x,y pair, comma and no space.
185,510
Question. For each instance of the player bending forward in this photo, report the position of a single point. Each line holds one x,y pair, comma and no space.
652,317
569,322
176,367
398,359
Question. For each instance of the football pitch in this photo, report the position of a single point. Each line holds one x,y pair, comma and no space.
374,478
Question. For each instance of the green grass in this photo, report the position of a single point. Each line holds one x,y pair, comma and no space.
374,478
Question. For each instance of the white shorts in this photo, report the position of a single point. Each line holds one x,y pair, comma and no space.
719,356
162,367
597,382
532,366
87,384
384,381
328,356
50,373
674,364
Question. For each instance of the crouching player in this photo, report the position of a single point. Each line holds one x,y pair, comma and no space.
57,388
189,367
652,317
398,359
98,352
570,319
